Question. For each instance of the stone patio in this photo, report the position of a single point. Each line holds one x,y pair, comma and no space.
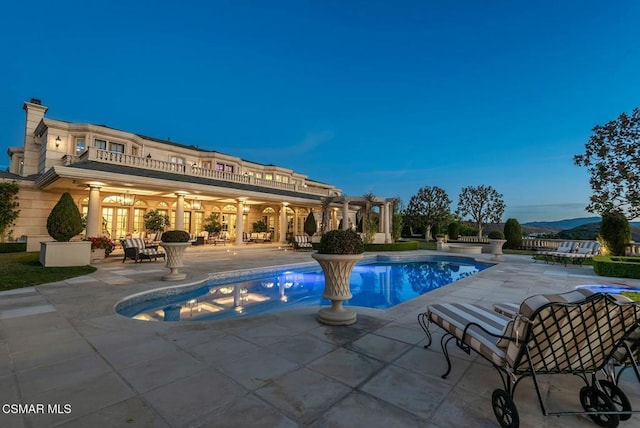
62,343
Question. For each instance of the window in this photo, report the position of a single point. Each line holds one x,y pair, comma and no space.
134,151
224,167
138,219
268,176
258,175
80,145
102,145
206,164
116,147
282,178
177,159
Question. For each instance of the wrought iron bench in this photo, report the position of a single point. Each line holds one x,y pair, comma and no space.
572,333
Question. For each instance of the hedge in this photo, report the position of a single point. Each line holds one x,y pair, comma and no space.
12,247
621,267
396,246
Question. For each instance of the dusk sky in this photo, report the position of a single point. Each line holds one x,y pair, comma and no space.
371,96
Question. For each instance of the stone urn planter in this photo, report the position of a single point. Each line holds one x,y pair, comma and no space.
175,243
440,243
496,249
338,252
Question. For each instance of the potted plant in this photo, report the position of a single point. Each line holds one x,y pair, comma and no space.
155,221
175,242
212,225
101,246
338,252
496,239
65,222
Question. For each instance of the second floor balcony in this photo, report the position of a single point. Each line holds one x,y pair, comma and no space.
114,158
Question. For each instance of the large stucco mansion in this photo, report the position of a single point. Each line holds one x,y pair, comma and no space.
115,177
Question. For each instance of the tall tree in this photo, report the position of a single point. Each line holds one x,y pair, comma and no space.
428,207
482,203
8,207
612,157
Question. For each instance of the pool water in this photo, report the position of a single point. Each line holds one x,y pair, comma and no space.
380,285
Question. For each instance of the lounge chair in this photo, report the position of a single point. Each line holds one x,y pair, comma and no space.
573,333
136,250
585,250
301,242
565,247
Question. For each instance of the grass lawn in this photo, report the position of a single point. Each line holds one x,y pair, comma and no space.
19,270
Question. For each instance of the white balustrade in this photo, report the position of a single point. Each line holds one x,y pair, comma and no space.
105,156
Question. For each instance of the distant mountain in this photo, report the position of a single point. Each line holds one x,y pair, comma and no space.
569,223
563,224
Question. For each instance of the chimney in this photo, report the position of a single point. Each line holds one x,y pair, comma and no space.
35,113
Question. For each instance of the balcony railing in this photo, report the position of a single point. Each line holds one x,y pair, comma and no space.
104,156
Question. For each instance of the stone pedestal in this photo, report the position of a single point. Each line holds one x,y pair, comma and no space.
337,270
174,251
496,249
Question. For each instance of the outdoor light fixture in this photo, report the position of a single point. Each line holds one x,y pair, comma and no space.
148,155
127,199
246,209
196,205
58,141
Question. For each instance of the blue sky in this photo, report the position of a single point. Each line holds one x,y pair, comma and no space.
372,96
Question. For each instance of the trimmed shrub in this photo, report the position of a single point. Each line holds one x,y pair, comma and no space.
621,267
466,230
341,242
495,234
615,232
64,221
310,226
175,236
12,247
453,230
513,234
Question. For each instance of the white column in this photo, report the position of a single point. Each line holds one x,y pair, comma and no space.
179,212
345,214
283,222
388,222
239,221
381,219
334,218
93,214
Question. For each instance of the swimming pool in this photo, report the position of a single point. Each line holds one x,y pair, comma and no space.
379,283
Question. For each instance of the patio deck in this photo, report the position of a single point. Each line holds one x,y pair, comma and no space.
63,344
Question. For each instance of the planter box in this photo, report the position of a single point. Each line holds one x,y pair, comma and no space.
63,254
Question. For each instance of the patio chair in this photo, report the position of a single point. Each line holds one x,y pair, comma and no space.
301,242
221,238
136,250
626,356
574,333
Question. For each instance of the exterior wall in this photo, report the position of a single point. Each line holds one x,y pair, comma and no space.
35,207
